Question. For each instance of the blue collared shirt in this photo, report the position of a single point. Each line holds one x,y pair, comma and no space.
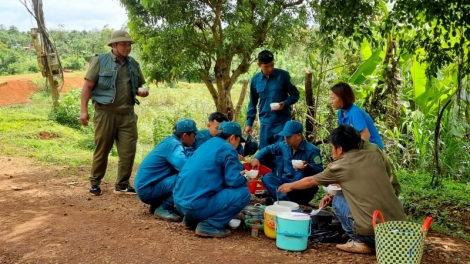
213,167
273,89
203,136
306,152
360,120
165,160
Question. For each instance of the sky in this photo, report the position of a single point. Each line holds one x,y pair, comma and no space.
77,14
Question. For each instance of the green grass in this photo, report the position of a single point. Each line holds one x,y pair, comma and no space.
449,204
21,126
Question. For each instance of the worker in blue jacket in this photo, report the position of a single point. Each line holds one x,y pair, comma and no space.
205,134
210,190
155,179
295,147
270,85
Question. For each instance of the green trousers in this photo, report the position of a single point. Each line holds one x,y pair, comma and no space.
109,128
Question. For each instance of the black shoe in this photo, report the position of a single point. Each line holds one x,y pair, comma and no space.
128,190
95,190
189,224
153,207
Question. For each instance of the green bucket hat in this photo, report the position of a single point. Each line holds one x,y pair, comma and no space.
120,36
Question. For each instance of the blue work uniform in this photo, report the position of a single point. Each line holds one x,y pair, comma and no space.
210,186
203,136
306,152
156,176
266,90
360,120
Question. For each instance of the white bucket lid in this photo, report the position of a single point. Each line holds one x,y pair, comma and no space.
289,204
294,216
276,209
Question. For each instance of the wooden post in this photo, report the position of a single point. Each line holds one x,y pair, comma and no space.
49,65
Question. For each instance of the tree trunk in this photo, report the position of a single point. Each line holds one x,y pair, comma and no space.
309,124
241,99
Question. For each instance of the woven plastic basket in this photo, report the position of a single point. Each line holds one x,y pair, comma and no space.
399,241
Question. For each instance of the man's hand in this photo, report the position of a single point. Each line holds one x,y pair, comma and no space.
248,129
255,164
142,93
240,157
301,168
84,118
326,200
285,188
281,106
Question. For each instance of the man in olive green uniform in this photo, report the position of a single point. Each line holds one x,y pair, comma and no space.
112,82
367,145
365,187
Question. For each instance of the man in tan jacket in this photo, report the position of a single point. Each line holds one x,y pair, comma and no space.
365,186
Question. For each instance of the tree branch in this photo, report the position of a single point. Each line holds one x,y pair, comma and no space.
298,2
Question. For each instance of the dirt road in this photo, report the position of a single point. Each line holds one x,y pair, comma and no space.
53,219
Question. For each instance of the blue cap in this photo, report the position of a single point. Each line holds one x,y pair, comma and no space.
185,126
291,128
231,128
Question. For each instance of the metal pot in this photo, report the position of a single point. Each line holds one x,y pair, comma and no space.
251,211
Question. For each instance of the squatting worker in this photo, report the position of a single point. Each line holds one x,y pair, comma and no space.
210,189
270,85
112,83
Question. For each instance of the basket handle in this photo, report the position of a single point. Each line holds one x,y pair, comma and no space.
374,217
427,224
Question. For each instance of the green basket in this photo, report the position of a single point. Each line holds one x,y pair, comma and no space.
399,241
250,226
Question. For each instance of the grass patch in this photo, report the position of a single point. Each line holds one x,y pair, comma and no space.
26,129
449,205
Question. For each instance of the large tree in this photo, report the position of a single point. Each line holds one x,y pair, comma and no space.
211,40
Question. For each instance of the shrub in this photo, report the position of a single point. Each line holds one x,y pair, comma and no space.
68,111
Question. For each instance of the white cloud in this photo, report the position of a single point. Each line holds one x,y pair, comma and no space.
78,15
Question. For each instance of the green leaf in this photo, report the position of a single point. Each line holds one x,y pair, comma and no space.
366,51
418,74
366,68
311,57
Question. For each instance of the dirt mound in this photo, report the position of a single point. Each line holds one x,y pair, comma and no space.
18,90
15,91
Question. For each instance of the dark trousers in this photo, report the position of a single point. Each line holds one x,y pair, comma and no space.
272,182
159,194
110,128
268,135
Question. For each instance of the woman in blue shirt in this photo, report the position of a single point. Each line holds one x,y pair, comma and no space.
342,99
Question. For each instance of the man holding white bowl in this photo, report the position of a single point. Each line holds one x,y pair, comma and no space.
113,81
272,91
300,159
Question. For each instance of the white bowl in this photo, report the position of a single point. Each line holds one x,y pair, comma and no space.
297,163
275,106
252,173
143,89
332,189
234,223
